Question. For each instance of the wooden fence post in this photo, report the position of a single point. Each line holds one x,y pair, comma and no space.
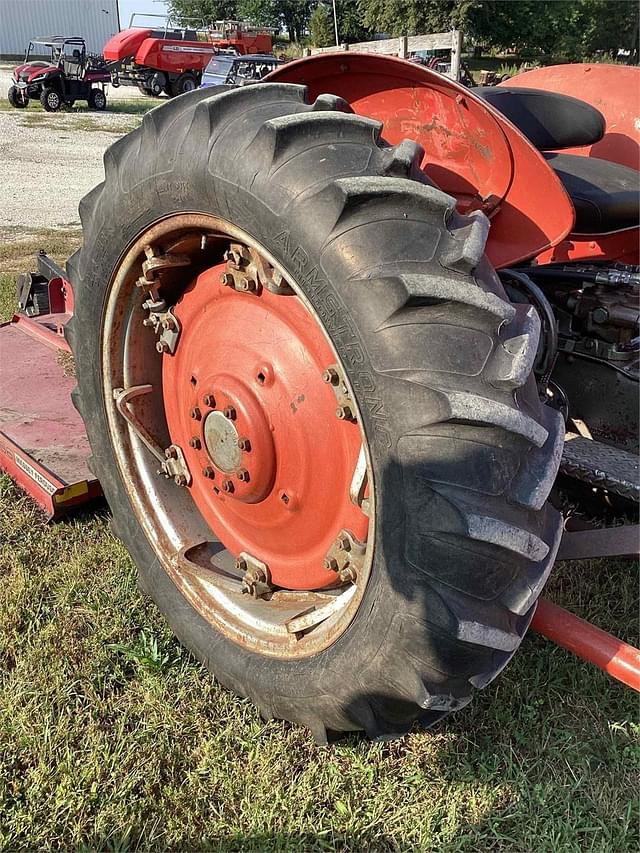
403,47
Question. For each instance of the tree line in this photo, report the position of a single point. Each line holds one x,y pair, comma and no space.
570,28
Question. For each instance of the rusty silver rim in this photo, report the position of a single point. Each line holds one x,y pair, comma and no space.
232,590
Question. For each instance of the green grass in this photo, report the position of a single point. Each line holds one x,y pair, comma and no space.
112,737
126,107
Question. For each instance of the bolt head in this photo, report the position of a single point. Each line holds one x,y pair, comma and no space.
208,472
344,543
171,453
196,414
168,323
241,564
244,444
180,480
344,413
243,475
227,486
227,279
247,284
209,400
331,563
195,442
162,347
229,412
330,375
348,575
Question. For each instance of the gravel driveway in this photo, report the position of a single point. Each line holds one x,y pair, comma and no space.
48,161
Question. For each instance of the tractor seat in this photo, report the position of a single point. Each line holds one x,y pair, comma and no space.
606,195
549,120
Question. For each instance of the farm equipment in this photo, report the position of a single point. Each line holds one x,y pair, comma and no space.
339,338
172,59
238,70
69,75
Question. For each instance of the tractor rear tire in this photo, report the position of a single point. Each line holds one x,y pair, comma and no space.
51,100
463,452
15,99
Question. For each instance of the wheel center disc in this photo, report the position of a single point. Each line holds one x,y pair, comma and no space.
271,462
221,442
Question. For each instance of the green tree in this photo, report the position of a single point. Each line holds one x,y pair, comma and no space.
265,13
193,11
351,26
294,15
573,28
321,28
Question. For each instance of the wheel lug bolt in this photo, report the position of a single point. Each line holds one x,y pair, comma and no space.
227,486
348,575
331,563
330,376
209,400
180,480
208,472
244,444
195,442
229,412
243,475
162,346
344,413
226,279
195,413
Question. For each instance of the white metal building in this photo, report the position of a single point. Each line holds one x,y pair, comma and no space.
22,20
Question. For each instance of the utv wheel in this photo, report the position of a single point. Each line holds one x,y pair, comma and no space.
50,100
97,100
15,98
341,393
185,83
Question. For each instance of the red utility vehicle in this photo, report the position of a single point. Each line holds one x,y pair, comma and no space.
340,338
171,59
68,76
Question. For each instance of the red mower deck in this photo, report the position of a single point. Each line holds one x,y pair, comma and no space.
43,443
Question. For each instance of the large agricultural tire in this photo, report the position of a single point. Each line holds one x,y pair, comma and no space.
463,452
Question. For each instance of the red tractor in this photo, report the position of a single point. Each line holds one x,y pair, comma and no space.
172,59
68,76
339,339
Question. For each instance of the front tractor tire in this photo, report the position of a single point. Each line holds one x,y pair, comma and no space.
461,453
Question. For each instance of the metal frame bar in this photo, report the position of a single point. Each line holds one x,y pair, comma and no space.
590,643
617,658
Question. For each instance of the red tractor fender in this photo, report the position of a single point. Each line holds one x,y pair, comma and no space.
471,151
611,89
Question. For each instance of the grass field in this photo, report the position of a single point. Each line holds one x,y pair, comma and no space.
112,737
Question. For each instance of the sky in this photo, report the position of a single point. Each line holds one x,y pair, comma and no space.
129,6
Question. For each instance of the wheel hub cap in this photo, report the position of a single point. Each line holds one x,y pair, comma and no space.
221,441
271,463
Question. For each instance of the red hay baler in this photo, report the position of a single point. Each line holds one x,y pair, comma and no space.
172,59
343,340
